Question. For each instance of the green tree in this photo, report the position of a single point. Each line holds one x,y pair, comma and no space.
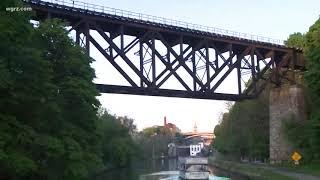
312,76
24,78
296,40
47,106
128,123
154,141
308,143
75,119
50,127
244,130
309,131
151,131
118,147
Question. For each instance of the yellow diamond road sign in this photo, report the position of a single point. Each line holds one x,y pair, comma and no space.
296,156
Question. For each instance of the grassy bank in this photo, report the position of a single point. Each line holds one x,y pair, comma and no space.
252,171
312,169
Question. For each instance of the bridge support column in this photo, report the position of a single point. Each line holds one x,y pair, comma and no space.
286,103
87,36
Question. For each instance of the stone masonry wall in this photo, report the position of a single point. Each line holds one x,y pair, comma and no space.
285,102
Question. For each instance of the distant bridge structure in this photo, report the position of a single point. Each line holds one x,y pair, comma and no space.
207,137
152,50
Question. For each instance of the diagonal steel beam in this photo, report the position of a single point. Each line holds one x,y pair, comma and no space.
180,59
217,72
168,65
246,61
239,58
175,69
129,46
218,53
111,60
173,62
259,76
123,56
204,56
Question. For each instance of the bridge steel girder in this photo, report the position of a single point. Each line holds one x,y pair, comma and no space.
185,50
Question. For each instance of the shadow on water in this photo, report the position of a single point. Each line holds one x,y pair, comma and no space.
162,169
119,174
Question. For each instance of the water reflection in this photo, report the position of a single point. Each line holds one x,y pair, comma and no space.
171,175
162,175
172,164
162,169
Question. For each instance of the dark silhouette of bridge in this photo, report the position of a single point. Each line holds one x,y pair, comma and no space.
199,57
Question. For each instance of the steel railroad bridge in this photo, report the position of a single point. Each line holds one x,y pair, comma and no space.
199,57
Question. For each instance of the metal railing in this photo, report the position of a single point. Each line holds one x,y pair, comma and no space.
160,20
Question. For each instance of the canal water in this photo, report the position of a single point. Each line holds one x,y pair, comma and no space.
162,169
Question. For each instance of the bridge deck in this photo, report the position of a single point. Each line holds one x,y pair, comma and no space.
72,11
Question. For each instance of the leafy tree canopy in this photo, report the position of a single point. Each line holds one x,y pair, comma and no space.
296,40
49,128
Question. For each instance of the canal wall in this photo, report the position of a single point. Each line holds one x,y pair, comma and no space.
287,103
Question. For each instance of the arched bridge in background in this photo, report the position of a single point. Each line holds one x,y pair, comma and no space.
148,51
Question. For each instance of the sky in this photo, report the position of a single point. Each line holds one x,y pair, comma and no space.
271,18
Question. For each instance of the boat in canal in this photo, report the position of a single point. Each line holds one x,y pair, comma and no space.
193,168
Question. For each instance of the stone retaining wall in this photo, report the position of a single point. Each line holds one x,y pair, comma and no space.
286,103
